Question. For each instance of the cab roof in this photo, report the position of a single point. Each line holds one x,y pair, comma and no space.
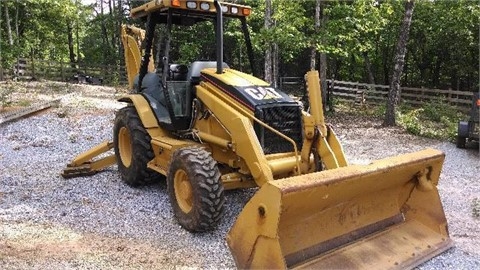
188,12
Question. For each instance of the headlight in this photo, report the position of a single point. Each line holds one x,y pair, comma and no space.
192,5
234,10
224,9
205,6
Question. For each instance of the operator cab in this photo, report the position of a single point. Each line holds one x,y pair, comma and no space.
180,84
171,90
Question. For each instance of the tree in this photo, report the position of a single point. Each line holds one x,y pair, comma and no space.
400,52
9,27
1,62
268,75
313,49
440,64
355,38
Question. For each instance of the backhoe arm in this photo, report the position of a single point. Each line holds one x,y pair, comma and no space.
132,38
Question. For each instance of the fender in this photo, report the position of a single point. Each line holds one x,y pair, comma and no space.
145,113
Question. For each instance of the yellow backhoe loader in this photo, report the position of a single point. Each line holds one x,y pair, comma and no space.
206,127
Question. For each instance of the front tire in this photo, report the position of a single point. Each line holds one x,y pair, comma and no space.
132,148
195,189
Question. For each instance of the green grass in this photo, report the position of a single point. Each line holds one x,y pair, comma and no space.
23,103
5,92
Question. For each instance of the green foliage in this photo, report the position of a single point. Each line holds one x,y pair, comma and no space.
442,50
445,38
379,110
435,119
410,120
185,49
288,30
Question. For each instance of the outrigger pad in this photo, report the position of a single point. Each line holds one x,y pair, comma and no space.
78,171
88,162
385,215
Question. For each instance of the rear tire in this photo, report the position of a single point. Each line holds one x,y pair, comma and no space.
133,149
461,141
195,189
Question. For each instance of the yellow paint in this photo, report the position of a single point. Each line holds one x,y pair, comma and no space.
298,215
306,216
132,37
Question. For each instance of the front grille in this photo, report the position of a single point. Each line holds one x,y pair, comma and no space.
287,119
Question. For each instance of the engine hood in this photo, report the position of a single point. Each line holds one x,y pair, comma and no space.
246,89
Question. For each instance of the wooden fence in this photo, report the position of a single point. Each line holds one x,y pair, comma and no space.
362,93
28,69
359,93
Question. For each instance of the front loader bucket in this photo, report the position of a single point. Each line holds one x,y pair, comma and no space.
384,215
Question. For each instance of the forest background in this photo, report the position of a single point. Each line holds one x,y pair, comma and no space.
346,40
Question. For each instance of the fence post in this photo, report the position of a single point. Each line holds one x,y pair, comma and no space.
449,96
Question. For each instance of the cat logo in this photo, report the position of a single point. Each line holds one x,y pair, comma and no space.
262,93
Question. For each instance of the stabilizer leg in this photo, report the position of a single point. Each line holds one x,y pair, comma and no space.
83,164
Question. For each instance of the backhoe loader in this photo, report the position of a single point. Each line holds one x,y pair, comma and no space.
206,128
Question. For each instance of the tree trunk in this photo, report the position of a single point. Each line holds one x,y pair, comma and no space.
105,42
17,34
437,67
386,75
77,27
313,48
9,28
268,52
71,51
1,62
113,38
323,77
368,66
119,25
399,63
275,65
323,56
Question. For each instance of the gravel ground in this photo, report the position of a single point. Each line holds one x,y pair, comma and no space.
97,222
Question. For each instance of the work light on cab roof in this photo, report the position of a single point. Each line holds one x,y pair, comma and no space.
228,9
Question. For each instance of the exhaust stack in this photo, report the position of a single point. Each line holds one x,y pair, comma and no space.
219,37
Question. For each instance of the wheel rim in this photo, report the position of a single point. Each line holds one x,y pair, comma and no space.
125,146
183,191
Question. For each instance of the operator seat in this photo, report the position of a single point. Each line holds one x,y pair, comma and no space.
178,72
